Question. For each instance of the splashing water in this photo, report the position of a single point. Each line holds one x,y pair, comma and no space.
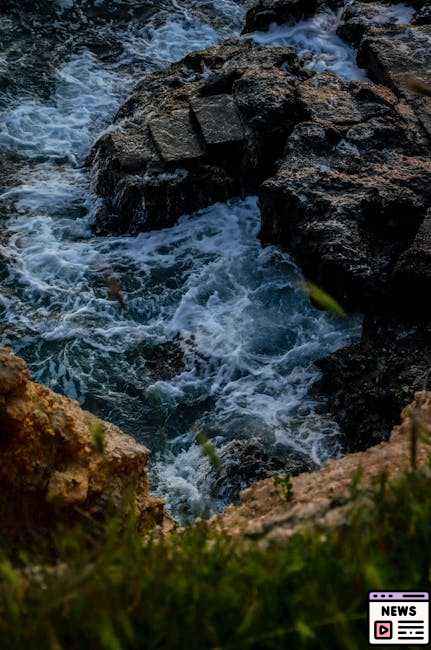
244,331
317,44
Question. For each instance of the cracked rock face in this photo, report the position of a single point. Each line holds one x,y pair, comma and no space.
203,131
351,190
59,461
397,55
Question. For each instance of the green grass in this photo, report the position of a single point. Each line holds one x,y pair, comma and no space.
200,590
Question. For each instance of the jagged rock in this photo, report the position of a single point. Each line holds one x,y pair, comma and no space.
348,199
397,56
202,131
323,497
351,191
369,383
243,462
59,461
359,18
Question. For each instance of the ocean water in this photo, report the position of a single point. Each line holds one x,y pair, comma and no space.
203,291
317,44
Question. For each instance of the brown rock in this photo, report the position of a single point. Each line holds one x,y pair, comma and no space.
322,497
396,56
59,461
202,131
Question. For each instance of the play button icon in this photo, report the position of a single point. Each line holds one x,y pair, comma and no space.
383,629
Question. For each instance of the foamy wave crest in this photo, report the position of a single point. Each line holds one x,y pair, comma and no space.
317,44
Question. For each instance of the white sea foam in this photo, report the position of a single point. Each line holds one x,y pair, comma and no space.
248,333
317,44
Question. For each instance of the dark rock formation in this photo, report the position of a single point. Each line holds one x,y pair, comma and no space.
342,169
203,131
264,12
243,462
360,18
412,273
349,200
396,57
368,381
423,15
351,190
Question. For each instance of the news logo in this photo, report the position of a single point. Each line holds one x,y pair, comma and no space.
398,617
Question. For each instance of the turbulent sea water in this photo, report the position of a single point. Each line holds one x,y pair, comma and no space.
247,332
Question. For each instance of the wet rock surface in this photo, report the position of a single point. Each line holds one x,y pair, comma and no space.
342,170
396,56
203,131
368,382
59,461
263,13
351,190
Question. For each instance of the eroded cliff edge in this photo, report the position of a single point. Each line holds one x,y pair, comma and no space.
323,498
60,463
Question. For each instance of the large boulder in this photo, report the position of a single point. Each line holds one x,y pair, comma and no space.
207,129
59,462
351,190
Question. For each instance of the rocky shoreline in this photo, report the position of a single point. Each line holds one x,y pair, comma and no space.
322,500
342,170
